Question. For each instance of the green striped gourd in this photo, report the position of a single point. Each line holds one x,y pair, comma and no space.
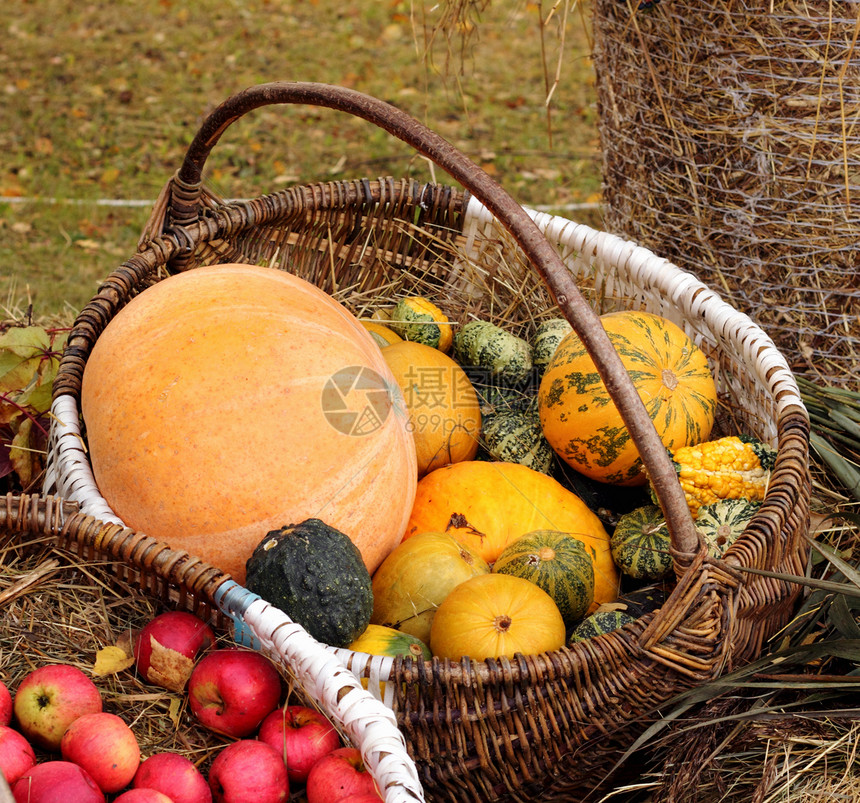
556,562
720,523
516,437
640,544
599,623
546,338
504,355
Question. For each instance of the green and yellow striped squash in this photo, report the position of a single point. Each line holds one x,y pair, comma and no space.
720,523
670,373
640,544
418,319
546,340
558,563
495,396
599,623
382,640
386,641
516,437
502,354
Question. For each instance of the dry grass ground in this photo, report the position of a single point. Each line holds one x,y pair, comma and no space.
100,100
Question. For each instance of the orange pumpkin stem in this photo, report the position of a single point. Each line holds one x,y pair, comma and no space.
545,553
503,623
670,380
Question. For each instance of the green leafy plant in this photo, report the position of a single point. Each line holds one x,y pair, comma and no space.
29,358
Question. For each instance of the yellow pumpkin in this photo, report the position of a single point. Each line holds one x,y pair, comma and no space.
229,401
444,413
489,505
380,332
493,615
413,580
671,375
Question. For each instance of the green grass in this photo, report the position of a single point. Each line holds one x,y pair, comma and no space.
101,100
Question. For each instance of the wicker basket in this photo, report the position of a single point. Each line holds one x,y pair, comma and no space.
542,727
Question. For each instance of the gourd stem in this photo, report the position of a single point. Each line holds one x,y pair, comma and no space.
511,215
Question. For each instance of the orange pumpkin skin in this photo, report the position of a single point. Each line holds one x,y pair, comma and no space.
492,615
444,413
212,417
671,375
488,505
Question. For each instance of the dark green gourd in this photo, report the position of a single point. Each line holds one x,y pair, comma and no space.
315,575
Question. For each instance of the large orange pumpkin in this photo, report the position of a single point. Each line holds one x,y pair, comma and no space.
670,373
444,414
228,401
488,505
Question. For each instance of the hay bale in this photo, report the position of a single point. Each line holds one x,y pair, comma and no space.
731,146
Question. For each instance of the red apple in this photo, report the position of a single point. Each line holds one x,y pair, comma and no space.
176,776
340,776
167,647
49,699
5,704
105,747
249,771
232,690
57,782
302,735
143,795
16,754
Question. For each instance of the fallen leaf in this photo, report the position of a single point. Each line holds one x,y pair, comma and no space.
44,146
168,668
609,607
126,641
110,660
109,175
173,711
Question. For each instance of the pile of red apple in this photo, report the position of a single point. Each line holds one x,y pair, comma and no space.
89,755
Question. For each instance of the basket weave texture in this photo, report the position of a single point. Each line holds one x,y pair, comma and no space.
730,146
548,726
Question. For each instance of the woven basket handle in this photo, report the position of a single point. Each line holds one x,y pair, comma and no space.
185,208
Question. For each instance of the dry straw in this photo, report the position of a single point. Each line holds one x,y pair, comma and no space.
61,608
731,146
